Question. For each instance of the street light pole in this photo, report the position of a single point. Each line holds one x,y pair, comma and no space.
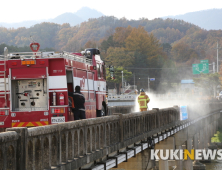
122,80
217,57
213,67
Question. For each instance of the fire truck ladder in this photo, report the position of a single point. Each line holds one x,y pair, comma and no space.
3,73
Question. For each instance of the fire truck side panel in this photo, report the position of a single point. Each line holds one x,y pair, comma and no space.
30,73
58,111
56,67
92,97
2,93
100,85
57,80
83,78
29,95
28,87
100,94
33,118
5,120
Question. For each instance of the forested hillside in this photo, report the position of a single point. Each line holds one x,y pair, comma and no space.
164,49
65,37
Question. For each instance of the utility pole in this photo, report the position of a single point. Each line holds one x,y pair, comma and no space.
214,85
134,82
122,81
217,57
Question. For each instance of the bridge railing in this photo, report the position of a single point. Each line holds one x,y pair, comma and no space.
71,142
8,150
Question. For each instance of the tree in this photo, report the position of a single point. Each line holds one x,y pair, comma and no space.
119,57
207,82
107,43
118,76
121,34
91,44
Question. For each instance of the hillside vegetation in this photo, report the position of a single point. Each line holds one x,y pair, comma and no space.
164,49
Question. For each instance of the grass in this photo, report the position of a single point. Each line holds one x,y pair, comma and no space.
217,137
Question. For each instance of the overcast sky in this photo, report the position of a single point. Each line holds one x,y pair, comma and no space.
23,10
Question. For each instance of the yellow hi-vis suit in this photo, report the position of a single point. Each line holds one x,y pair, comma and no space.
143,100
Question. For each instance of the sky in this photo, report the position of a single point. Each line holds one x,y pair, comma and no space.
24,10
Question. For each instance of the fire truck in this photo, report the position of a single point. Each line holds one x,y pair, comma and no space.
34,86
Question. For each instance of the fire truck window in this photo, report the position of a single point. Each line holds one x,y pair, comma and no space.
104,72
98,70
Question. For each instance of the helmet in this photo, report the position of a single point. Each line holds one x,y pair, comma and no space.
141,90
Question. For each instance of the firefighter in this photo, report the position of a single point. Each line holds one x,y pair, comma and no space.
143,100
79,101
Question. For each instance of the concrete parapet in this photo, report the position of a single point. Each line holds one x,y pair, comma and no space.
122,109
73,144
8,150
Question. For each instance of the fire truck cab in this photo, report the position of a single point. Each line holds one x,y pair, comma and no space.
34,86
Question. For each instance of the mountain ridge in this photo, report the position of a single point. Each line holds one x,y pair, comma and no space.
206,19
73,19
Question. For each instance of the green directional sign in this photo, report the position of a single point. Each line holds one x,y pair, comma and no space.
203,61
200,68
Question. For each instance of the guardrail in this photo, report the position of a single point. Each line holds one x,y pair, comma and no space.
121,97
155,96
73,144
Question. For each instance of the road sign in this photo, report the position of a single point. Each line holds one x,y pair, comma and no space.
183,113
203,61
200,68
152,79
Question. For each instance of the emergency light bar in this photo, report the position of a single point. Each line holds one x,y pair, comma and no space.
28,62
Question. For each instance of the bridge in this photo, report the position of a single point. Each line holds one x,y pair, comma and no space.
103,143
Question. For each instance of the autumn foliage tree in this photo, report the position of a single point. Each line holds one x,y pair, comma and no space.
133,48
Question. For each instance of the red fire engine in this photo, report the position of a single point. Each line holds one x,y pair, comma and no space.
34,86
